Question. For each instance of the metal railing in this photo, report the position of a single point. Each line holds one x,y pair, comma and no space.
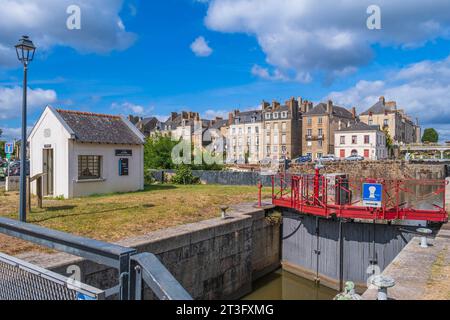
132,268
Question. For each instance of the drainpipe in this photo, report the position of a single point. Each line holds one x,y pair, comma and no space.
317,251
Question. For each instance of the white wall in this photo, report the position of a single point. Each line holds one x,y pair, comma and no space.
58,140
111,181
376,146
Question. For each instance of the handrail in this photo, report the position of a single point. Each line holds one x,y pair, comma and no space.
94,250
153,272
146,266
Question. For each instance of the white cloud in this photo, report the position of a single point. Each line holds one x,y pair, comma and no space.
212,114
129,107
201,48
328,36
421,89
102,29
11,100
11,134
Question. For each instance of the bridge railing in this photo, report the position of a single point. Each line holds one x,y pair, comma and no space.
338,195
159,279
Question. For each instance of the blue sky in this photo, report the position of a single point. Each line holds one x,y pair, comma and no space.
154,57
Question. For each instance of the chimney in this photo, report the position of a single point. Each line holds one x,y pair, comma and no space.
275,104
230,118
265,105
330,106
173,115
354,113
310,106
382,100
293,107
300,101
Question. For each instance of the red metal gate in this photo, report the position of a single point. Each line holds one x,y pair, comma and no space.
330,195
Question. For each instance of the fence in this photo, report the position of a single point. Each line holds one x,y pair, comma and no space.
37,283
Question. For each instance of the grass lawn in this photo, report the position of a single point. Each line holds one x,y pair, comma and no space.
118,216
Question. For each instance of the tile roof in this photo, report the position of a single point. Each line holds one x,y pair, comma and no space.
99,128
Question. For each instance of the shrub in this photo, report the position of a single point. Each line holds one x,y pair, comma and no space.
148,177
183,175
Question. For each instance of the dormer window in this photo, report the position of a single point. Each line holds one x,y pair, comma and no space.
267,116
275,115
284,114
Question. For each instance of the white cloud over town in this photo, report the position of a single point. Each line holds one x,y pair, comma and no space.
102,29
329,36
201,48
421,89
11,100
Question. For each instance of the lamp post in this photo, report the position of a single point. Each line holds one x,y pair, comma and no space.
25,53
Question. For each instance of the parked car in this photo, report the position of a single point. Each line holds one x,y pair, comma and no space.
302,159
354,158
328,158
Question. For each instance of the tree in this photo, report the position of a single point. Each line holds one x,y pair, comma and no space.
430,135
158,152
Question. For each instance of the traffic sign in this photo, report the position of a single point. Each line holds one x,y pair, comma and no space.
372,195
9,147
8,156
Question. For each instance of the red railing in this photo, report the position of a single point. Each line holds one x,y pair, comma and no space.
327,196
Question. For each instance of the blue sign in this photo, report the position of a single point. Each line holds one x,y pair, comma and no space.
372,195
9,148
81,296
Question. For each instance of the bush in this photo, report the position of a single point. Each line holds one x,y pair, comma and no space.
183,175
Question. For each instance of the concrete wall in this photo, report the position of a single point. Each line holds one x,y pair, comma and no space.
12,183
213,259
300,245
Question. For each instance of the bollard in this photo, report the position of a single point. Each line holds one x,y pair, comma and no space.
423,239
259,194
224,211
383,283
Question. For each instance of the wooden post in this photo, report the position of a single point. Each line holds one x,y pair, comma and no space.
39,192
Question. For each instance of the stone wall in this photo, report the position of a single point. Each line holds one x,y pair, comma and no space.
379,169
213,259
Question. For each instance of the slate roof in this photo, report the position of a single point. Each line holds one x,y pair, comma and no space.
219,124
361,126
321,109
246,116
99,128
377,108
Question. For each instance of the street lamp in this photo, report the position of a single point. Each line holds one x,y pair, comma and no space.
25,53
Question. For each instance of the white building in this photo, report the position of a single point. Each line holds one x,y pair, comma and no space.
85,153
361,139
245,137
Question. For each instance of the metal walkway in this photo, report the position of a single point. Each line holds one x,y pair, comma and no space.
338,196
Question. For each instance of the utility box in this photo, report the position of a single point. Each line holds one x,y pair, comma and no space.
339,188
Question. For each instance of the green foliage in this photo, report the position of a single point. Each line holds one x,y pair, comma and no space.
184,175
158,152
430,135
389,141
2,146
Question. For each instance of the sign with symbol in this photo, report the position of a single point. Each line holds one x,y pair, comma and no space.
372,195
81,296
9,148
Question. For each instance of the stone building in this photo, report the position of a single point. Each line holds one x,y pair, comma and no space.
245,137
399,125
319,125
282,129
362,140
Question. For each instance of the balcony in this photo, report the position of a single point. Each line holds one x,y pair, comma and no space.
314,137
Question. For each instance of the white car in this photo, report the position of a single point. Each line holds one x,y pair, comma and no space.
329,158
354,158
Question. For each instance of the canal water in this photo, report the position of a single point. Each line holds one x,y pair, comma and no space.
283,285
